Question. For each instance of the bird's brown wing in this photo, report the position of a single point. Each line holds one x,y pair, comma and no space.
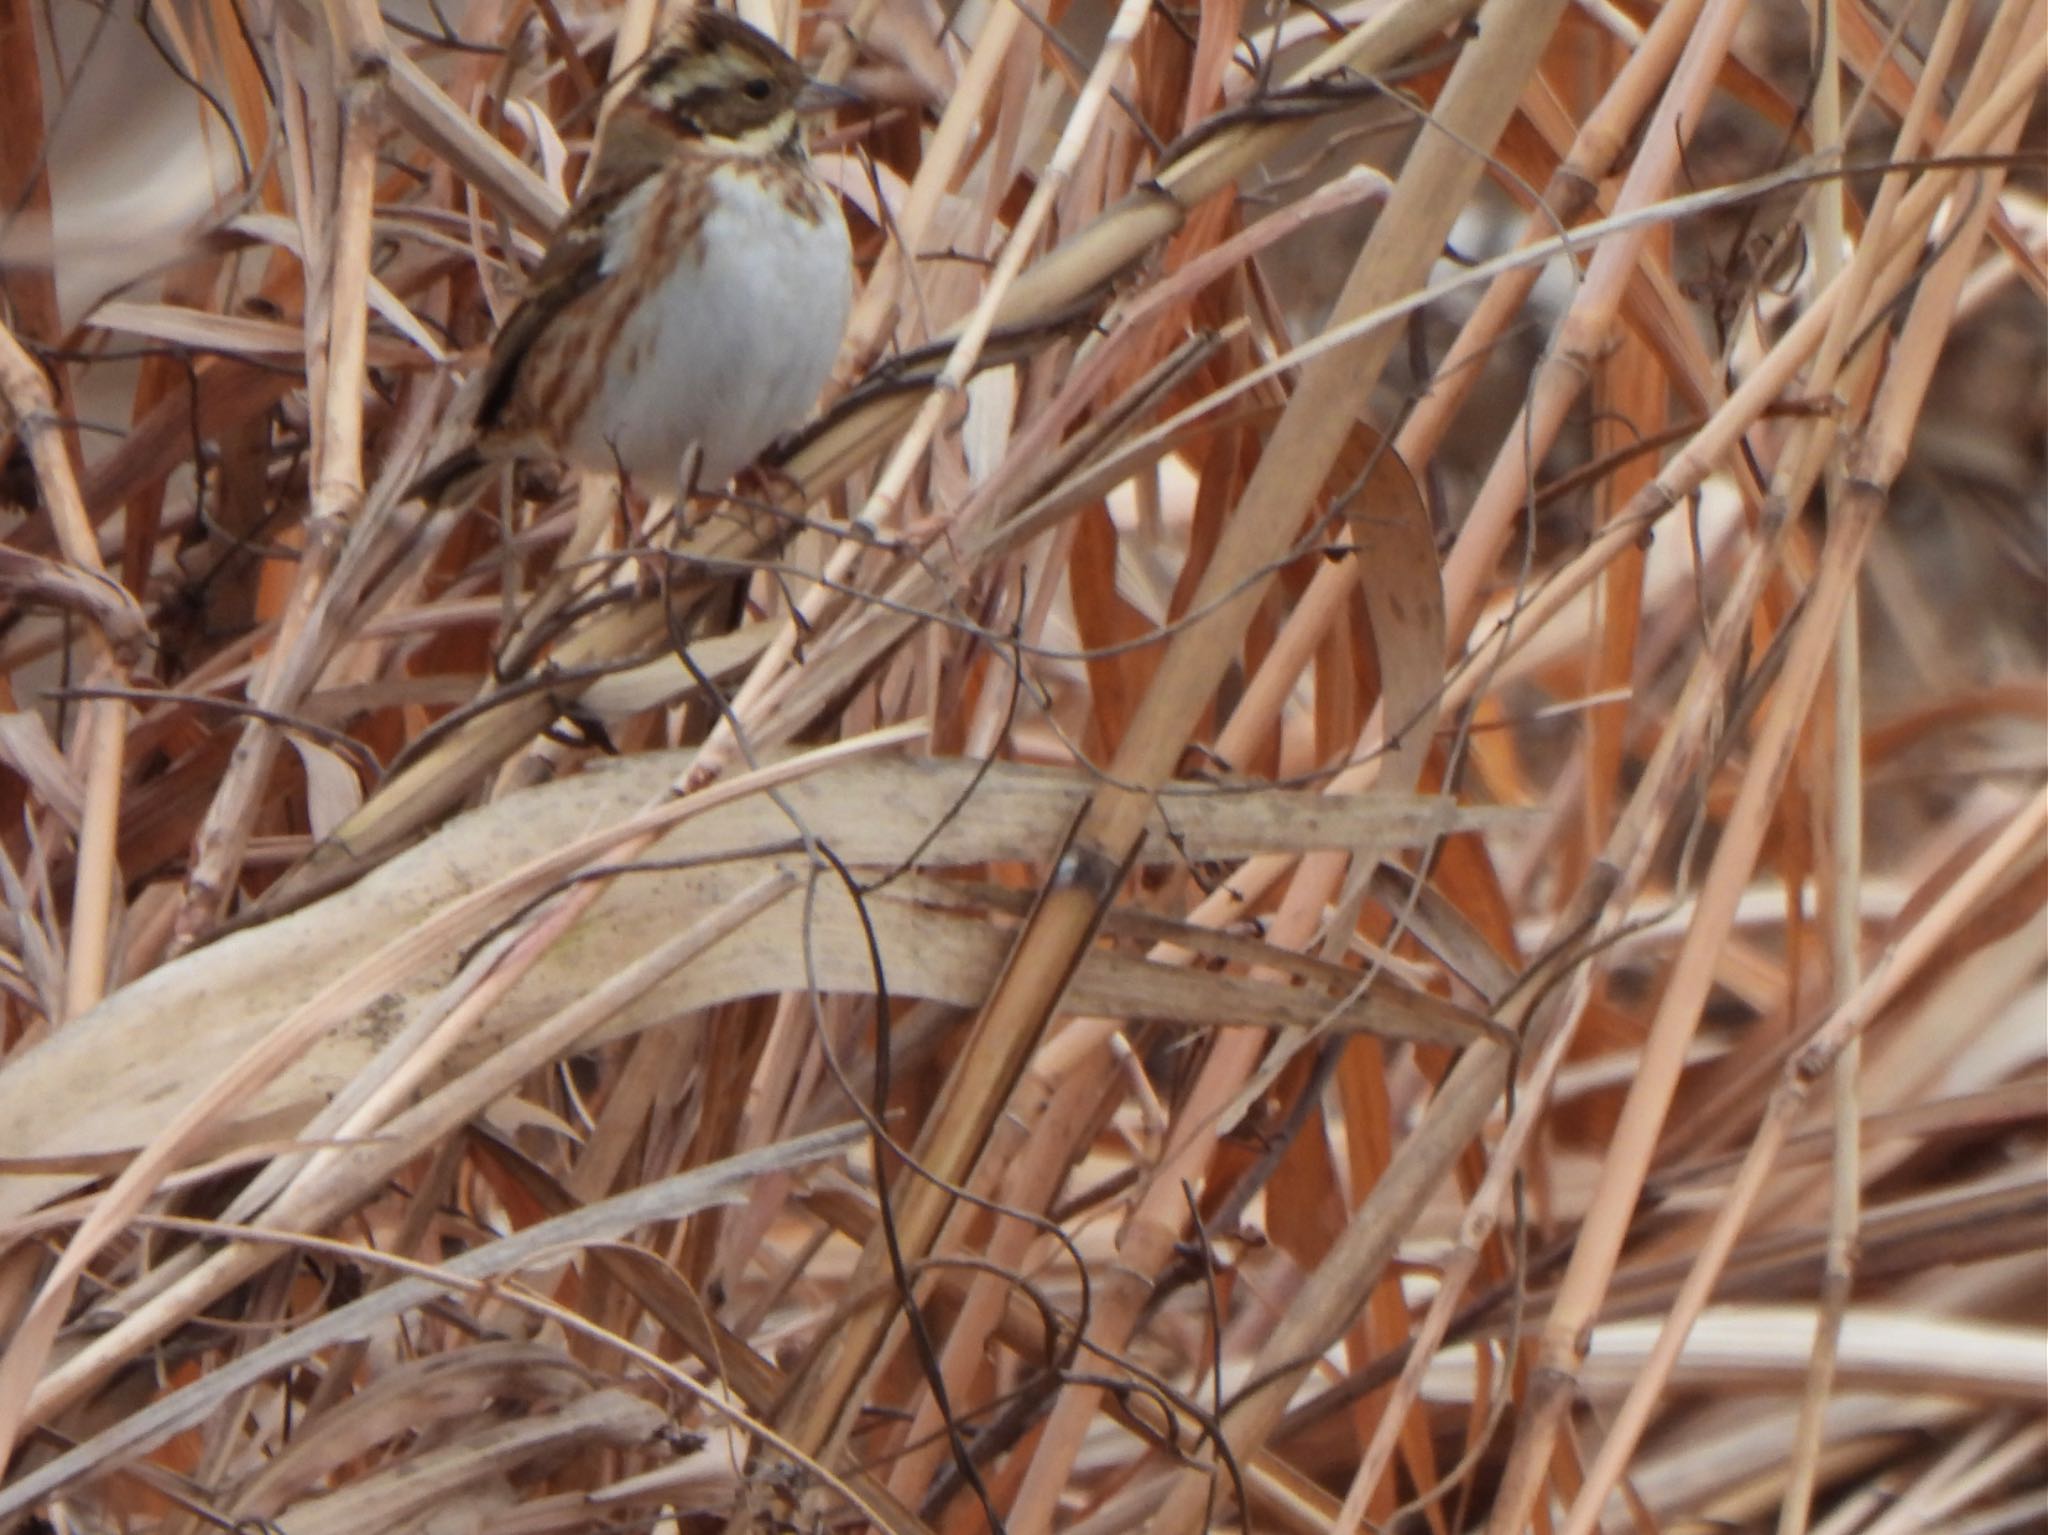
573,265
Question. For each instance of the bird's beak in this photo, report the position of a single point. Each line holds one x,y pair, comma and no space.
817,96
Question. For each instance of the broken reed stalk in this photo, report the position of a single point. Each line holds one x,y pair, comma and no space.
118,624
1842,889
337,377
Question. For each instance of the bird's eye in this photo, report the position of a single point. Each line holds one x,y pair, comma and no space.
757,89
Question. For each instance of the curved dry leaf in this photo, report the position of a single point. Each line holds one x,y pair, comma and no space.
30,579
1404,598
333,791
116,1075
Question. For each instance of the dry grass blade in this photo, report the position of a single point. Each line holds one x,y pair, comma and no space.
1404,623
602,1222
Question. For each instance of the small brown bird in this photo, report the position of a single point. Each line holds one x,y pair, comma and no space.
691,304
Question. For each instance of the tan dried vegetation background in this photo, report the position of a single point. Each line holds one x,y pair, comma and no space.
1394,882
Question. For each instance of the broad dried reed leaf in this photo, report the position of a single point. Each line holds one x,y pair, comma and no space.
202,1011
235,335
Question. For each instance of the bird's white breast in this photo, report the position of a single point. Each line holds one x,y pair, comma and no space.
728,351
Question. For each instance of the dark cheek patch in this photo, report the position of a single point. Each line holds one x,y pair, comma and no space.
686,110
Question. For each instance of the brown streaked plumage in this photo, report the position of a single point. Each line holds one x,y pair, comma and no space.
691,303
